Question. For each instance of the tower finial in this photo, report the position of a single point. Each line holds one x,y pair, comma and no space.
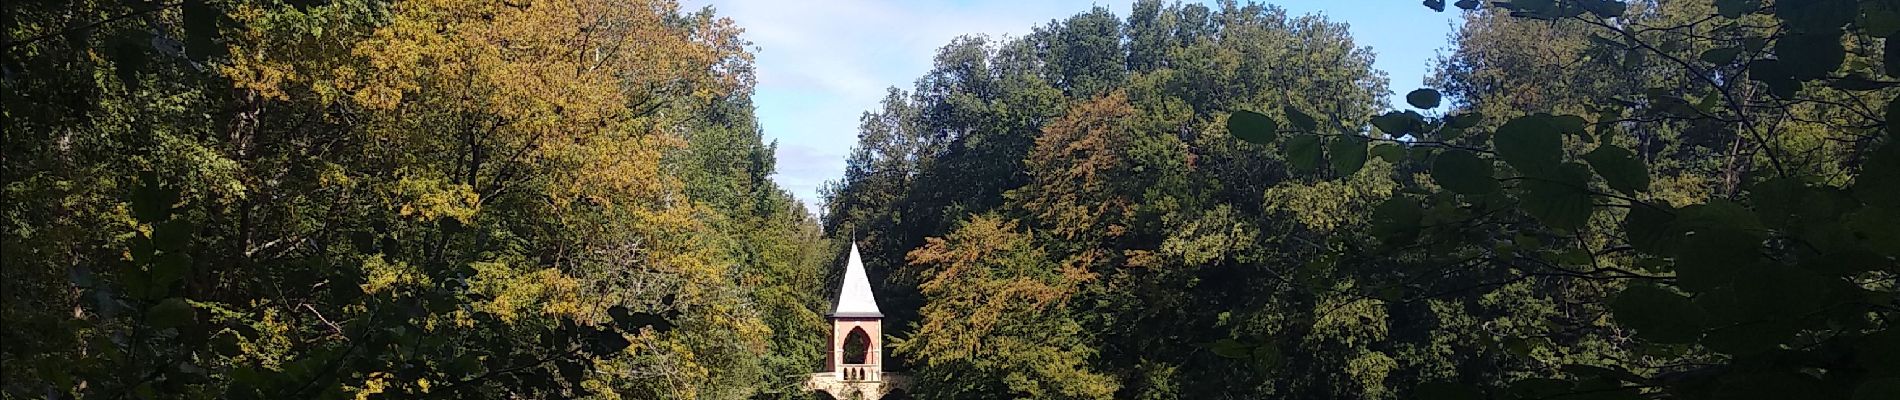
855,299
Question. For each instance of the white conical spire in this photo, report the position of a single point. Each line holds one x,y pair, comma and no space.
854,299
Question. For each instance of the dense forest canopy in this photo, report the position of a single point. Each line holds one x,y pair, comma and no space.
1602,199
340,199
1598,199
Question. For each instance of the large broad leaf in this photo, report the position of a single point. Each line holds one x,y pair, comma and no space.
152,202
1267,355
1252,127
1721,56
1877,227
1302,152
1776,75
1230,348
1736,8
1447,391
129,57
1815,15
1619,168
1423,98
632,321
1777,201
201,29
170,313
1811,55
1878,389
1647,228
1530,144
1463,172
1710,258
607,341
1391,152
1559,198
1659,315
1464,120
1399,123
1604,8
1396,220
1348,154
1890,56
1893,116
1301,121
1879,180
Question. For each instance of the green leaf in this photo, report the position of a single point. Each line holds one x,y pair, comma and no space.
1391,152
1893,117
152,202
1463,172
1468,4
1721,56
1612,372
1733,9
1858,84
1539,388
1879,180
1300,120
1559,197
129,57
1399,123
1776,201
1879,18
1815,15
1529,144
1658,315
1447,391
1565,124
1396,220
1878,389
632,321
1877,227
170,313
608,341
1605,8
1348,154
1252,127
1811,55
1710,258
1230,348
1619,168
172,236
169,268
1302,152
1776,75
201,29
226,344
1435,5
1464,120
1890,57
1423,98
1267,355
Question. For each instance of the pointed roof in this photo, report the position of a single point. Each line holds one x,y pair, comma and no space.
854,298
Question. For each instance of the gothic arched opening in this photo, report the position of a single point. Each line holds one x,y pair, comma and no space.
857,345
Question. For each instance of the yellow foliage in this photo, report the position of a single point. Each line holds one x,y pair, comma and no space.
381,275
511,292
1326,206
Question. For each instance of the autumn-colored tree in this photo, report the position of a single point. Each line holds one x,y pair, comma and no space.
403,199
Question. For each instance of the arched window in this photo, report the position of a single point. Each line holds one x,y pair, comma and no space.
857,345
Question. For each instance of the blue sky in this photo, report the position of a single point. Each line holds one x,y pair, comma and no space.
821,64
